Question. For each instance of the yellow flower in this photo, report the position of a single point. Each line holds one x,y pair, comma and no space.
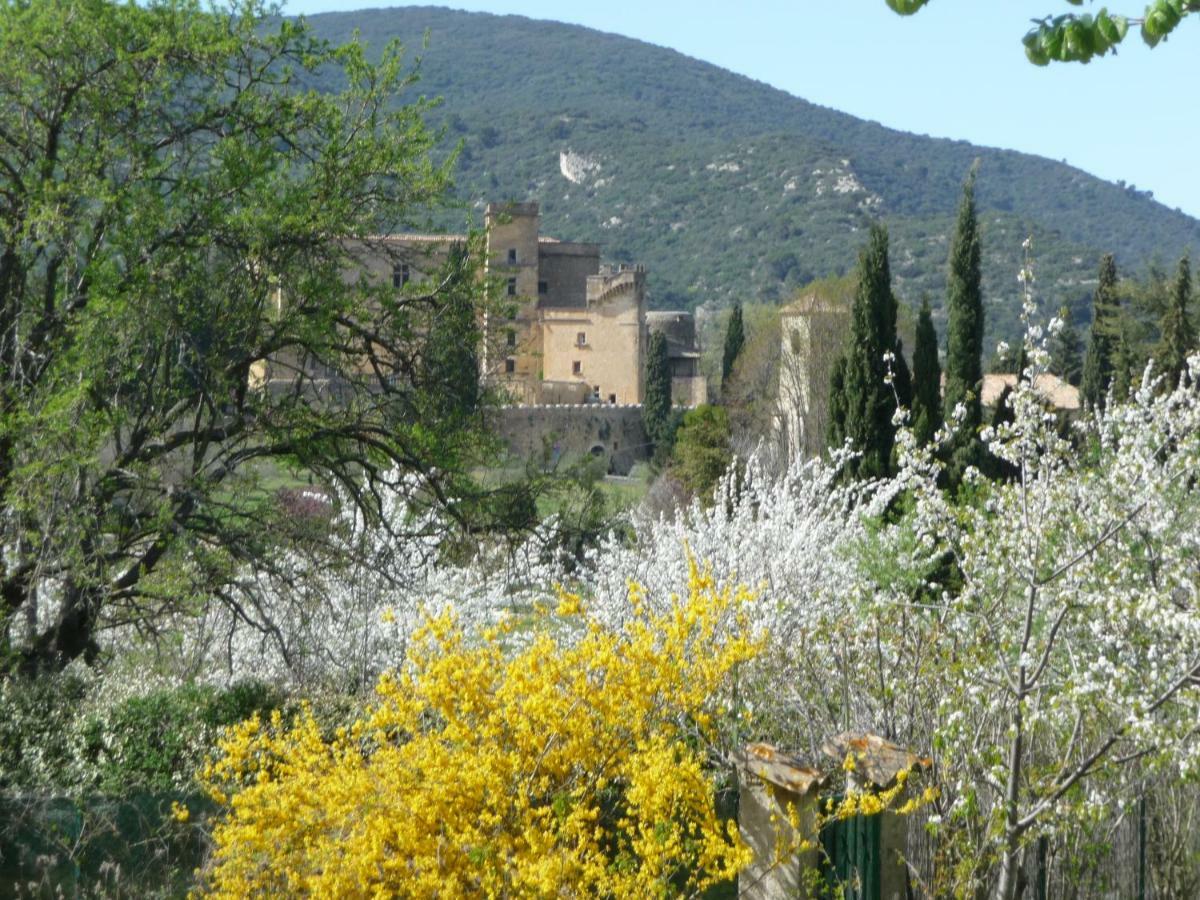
487,771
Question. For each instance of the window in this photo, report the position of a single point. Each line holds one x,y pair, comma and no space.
543,287
612,398
510,366
511,339
596,392
576,368
400,275
581,339
512,287
512,256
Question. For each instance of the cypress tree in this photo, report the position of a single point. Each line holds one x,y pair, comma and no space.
656,409
735,338
1178,336
927,378
902,380
1066,360
869,402
1124,360
1102,338
837,403
964,333
451,358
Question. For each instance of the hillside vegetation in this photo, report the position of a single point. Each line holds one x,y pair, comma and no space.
730,189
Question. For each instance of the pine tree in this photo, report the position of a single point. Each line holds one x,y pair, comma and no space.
656,409
1178,336
1066,360
867,400
964,333
735,338
927,378
1102,338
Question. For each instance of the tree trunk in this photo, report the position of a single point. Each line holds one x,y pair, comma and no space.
72,635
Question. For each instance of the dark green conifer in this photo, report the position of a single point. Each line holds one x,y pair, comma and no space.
1125,360
964,333
1178,335
837,403
902,379
868,401
735,338
1097,371
1066,358
451,358
927,378
656,409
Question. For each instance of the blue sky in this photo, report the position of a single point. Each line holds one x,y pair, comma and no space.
956,70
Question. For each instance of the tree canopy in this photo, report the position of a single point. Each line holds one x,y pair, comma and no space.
1072,37
183,232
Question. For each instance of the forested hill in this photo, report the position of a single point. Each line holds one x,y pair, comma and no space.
728,188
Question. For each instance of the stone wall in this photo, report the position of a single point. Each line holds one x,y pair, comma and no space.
570,433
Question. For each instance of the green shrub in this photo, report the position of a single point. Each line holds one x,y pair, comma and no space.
55,739
157,741
39,746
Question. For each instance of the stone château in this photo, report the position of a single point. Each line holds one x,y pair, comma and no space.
567,330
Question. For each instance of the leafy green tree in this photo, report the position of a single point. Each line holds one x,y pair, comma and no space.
702,455
656,408
1178,335
865,403
735,339
1066,360
1106,316
964,333
927,378
177,220
1079,38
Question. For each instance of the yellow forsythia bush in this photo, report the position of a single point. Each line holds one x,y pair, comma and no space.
565,768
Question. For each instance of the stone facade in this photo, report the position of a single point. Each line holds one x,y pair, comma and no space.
688,386
813,330
565,329
601,345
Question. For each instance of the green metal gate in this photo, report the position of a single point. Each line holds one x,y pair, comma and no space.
850,862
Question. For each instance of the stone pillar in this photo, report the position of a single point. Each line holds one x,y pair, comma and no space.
777,798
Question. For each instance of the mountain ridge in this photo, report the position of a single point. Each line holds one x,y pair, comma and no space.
731,189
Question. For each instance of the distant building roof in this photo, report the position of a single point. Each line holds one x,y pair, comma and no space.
812,302
1049,387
